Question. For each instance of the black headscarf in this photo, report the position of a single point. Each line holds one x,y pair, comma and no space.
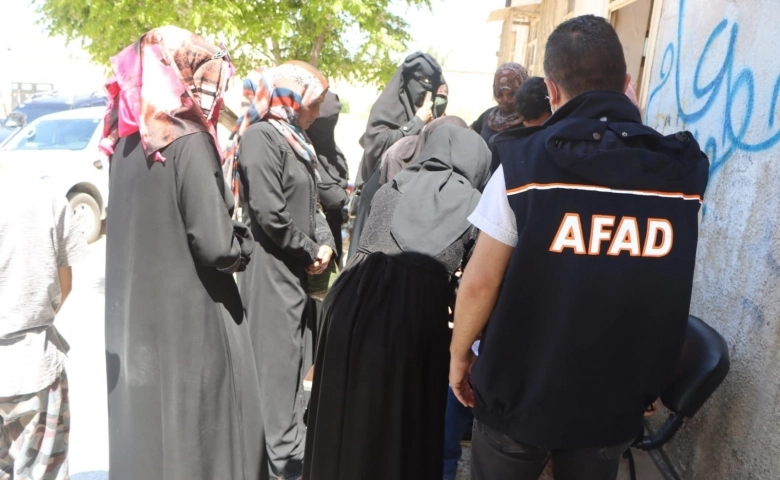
405,150
440,190
332,166
321,132
397,105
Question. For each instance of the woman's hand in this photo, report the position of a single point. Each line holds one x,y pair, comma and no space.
425,113
324,256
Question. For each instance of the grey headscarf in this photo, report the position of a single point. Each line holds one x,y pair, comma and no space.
404,151
440,190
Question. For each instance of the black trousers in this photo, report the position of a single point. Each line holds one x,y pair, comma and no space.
497,457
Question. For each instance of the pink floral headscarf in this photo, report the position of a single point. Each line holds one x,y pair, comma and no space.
166,85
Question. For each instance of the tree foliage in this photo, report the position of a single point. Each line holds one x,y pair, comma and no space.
350,39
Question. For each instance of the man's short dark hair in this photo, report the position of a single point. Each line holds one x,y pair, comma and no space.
531,99
585,54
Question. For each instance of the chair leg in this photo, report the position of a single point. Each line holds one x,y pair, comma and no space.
631,466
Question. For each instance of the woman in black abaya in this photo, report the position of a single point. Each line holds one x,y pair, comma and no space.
331,166
399,111
182,383
293,243
380,378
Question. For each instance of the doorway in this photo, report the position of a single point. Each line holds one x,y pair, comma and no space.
632,21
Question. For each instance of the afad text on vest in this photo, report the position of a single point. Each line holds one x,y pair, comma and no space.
657,243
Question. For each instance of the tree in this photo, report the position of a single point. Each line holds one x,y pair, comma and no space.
349,39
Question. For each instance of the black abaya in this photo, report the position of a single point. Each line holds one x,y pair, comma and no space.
331,166
182,386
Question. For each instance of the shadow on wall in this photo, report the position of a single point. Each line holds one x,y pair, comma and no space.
112,371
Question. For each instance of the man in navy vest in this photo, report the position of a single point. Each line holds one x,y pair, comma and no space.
581,278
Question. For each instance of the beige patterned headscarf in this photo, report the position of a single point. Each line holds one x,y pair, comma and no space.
509,76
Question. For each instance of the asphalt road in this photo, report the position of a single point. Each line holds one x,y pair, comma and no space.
81,323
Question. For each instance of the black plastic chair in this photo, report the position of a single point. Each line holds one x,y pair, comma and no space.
703,365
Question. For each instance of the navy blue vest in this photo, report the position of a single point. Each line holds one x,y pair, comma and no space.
592,312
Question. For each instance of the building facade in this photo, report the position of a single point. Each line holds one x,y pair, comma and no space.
708,66
528,23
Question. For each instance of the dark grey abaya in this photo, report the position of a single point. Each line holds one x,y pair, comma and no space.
279,198
182,386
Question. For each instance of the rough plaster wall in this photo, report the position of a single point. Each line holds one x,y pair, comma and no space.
716,73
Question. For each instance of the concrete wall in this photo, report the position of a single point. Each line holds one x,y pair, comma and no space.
716,73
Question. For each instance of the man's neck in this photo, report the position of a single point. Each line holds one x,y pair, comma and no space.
597,103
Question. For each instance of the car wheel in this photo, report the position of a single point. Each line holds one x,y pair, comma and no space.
87,215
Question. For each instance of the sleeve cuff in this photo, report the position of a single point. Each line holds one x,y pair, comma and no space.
325,237
413,127
233,268
486,226
312,249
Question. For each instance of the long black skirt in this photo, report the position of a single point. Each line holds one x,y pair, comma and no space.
380,386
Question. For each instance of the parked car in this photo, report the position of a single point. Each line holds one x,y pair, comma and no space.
11,125
53,102
7,130
63,148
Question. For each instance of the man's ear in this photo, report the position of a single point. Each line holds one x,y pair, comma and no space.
627,82
552,92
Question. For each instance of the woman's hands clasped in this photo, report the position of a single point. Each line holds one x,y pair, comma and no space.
324,256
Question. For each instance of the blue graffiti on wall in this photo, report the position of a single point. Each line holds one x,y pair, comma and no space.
738,87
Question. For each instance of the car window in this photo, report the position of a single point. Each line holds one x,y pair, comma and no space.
62,134
32,111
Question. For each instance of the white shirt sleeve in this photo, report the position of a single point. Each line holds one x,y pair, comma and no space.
493,216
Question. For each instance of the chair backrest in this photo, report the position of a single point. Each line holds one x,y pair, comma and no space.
703,365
